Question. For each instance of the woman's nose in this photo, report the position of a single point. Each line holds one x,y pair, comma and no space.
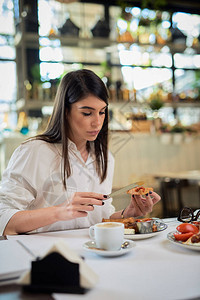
96,121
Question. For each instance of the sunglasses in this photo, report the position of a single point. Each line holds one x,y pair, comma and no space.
186,215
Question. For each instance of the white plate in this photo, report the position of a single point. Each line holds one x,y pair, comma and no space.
91,244
141,236
172,239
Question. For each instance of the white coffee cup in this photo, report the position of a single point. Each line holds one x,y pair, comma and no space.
107,235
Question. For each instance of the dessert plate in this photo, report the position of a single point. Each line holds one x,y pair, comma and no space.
91,247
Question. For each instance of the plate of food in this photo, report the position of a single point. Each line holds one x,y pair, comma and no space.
149,229
138,229
187,236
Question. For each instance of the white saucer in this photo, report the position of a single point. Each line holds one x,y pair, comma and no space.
91,244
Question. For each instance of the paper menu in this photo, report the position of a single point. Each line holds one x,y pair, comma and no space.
14,261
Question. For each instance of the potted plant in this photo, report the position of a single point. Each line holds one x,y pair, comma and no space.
156,104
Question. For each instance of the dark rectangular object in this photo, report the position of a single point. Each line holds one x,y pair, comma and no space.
54,274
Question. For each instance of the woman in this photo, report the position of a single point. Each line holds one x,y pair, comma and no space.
60,179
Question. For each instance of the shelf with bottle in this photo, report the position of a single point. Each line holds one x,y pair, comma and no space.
105,42
102,42
31,39
41,94
154,96
175,47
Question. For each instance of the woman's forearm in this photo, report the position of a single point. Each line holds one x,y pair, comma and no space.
28,220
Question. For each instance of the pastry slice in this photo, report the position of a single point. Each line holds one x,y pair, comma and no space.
140,190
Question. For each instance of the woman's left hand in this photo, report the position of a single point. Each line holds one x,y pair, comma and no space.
141,205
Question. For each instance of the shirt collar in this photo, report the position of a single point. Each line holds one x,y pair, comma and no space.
72,145
73,148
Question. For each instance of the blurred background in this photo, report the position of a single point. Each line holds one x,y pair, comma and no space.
148,55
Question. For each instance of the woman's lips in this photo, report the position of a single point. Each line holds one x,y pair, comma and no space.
93,132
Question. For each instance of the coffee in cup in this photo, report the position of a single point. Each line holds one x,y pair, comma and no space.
107,235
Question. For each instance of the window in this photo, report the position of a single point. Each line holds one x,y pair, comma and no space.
8,86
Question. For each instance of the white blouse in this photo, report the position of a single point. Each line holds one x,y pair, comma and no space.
33,180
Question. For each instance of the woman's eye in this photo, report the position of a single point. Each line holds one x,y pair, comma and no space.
90,113
102,112
86,114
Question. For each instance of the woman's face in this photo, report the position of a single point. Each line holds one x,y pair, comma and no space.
86,119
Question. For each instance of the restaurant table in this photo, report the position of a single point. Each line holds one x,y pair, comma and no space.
191,175
155,268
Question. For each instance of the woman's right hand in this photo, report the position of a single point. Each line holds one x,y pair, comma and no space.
28,220
78,207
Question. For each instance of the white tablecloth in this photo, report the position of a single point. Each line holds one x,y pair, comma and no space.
154,269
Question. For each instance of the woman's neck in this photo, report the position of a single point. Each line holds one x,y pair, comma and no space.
84,153
82,148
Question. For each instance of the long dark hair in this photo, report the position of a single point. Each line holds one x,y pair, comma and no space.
73,87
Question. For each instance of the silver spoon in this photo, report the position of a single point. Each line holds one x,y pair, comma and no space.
125,245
